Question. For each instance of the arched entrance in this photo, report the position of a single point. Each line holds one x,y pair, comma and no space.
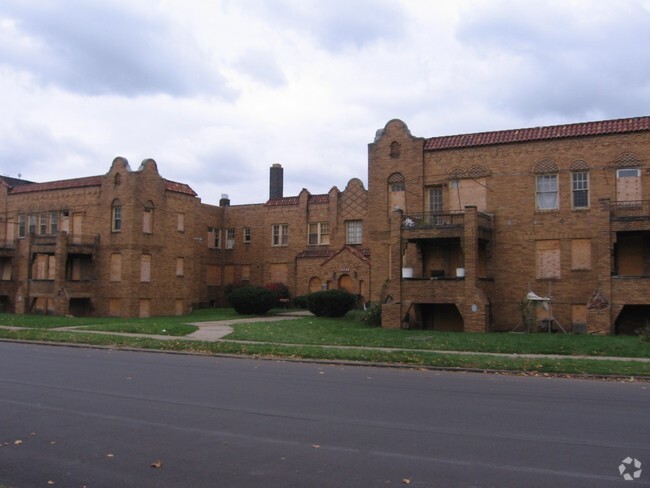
632,318
346,283
315,284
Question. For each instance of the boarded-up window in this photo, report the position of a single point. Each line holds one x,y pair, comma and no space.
115,307
213,277
180,266
468,192
279,273
179,307
5,269
116,267
581,254
228,275
396,192
147,219
75,269
628,185
547,258
630,255
578,315
145,307
145,268
245,272
180,222
44,267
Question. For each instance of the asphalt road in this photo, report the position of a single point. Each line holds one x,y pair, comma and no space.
73,417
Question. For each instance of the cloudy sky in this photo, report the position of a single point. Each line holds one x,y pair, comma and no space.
218,90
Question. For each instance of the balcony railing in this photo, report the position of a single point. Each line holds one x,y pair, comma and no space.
433,220
630,210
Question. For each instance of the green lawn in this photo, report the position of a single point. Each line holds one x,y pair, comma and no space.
317,338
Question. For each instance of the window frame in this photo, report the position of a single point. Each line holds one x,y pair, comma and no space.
280,235
246,235
577,192
354,232
543,192
116,217
230,238
319,235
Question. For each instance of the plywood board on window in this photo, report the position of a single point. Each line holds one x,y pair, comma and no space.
581,254
279,273
145,268
468,192
116,267
115,307
578,313
145,307
213,275
547,259
628,189
228,275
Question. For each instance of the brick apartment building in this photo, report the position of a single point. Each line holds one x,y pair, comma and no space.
452,233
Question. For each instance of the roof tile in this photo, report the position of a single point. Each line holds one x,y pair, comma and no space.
582,129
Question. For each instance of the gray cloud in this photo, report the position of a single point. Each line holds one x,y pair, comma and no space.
262,66
335,24
98,48
571,62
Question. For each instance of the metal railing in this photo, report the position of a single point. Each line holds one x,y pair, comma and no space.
431,220
630,210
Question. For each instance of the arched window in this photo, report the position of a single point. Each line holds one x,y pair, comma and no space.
396,182
546,185
147,218
395,149
116,216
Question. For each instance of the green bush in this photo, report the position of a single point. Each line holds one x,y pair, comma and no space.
300,301
253,300
331,303
372,315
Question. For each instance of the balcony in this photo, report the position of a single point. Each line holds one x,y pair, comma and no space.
443,224
631,210
631,289
41,288
433,290
82,244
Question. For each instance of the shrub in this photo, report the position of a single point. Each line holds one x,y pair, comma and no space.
300,301
372,316
252,300
330,303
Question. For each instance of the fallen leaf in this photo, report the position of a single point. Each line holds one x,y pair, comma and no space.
18,442
50,482
406,481
156,464
110,455
315,446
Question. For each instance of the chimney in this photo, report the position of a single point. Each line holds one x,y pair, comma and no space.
225,201
276,181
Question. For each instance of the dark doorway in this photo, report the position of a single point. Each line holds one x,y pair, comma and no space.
441,317
632,318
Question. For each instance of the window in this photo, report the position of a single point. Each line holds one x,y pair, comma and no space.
54,223
434,199
246,272
580,254
319,234
145,268
147,219
42,224
32,224
21,226
230,238
116,267
628,185
116,216
180,266
353,232
213,275
580,189
247,234
214,238
280,235
547,259
180,222
547,194
44,267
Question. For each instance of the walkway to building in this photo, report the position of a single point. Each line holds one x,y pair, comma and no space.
218,330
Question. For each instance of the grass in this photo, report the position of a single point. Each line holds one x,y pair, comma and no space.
317,338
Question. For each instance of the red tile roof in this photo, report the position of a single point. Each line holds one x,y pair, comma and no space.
179,188
316,253
58,185
86,182
618,126
275,202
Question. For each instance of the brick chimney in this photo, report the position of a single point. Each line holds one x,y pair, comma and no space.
276,181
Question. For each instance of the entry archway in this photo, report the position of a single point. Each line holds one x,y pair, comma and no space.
315,284
346,283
